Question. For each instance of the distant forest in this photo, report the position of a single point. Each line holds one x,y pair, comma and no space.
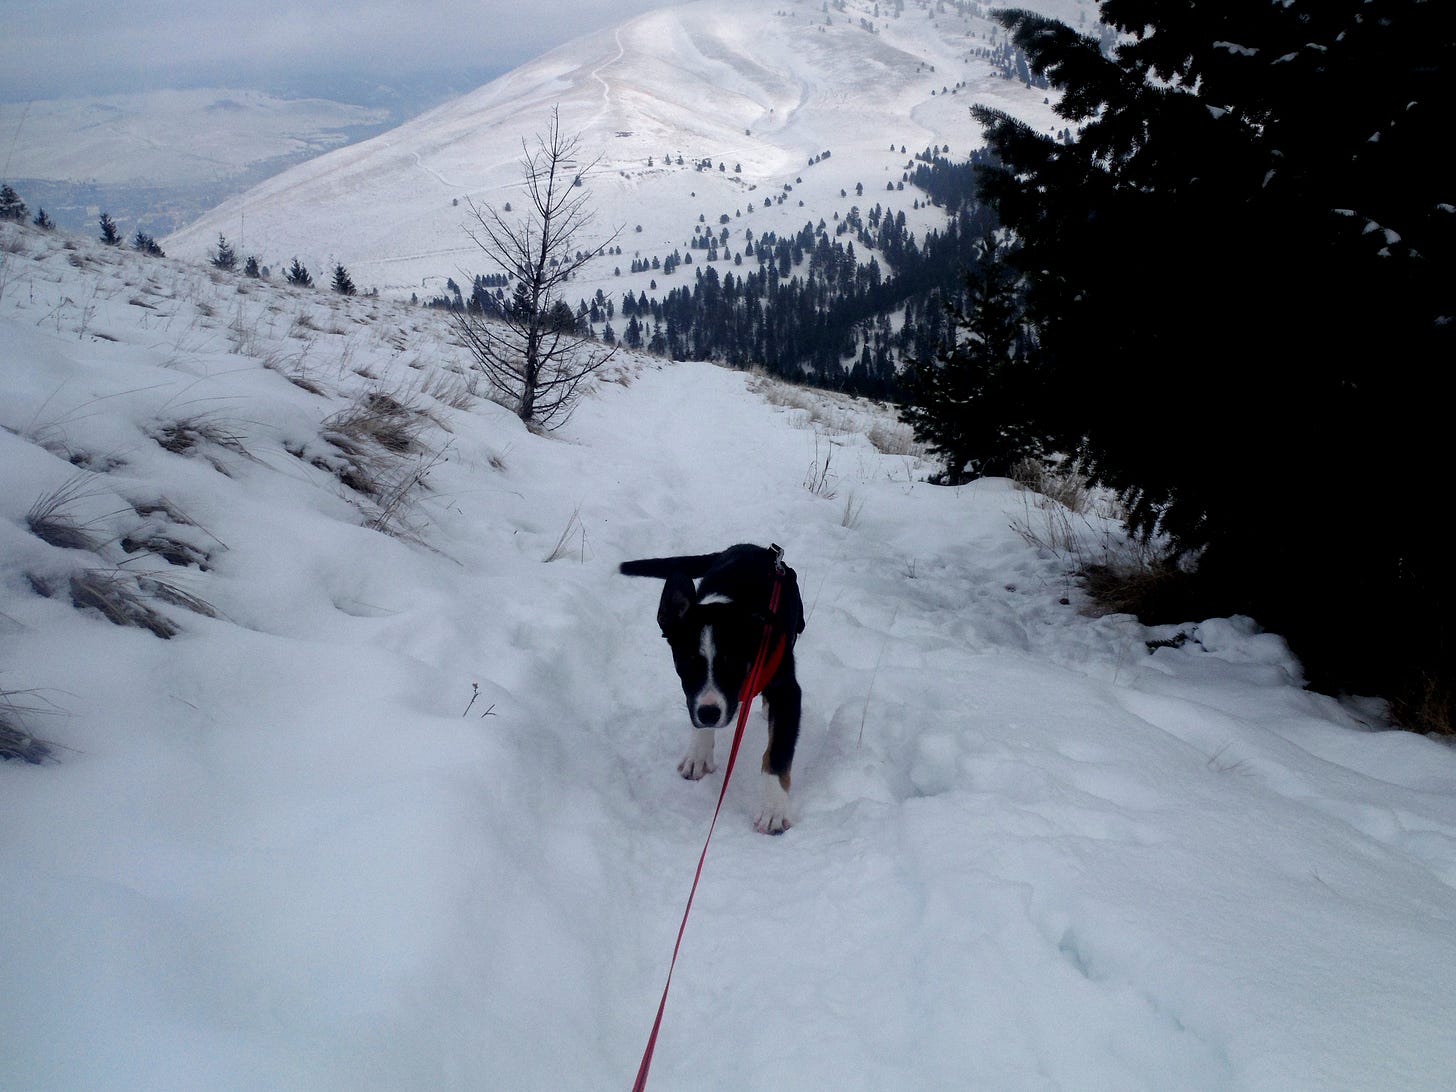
809,306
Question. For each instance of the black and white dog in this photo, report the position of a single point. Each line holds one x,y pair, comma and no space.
715,630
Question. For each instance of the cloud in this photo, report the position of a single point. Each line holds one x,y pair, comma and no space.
63,48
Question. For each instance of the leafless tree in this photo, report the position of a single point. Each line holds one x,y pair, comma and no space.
533,348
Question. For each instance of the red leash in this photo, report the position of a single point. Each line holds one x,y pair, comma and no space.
757,679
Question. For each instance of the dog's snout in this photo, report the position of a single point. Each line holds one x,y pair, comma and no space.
708,715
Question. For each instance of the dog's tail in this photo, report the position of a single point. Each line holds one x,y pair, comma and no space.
692,566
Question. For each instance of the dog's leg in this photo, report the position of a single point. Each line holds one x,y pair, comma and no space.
782,698
699,759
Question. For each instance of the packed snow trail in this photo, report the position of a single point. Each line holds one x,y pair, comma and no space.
405,813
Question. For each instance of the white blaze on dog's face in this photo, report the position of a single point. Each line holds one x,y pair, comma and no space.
711,653
708,707
711,649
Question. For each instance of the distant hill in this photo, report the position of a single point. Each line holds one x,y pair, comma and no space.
770,113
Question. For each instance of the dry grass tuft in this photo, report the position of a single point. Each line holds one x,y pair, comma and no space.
302,326
1153,588
895,439
116,595
1427,705
1057,508
291,367
1064,515
449,389
819,479
195,435
171,550
355,468
1062,483
167,592
16,738
377,419
574,528
161,507
396,500
49,520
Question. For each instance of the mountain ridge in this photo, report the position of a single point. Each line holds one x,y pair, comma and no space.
760,93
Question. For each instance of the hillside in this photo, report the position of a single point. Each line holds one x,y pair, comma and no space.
362,767
695,111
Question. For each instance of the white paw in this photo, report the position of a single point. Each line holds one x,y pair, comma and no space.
773,815
694,768
698,762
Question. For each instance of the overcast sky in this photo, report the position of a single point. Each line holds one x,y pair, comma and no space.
64,48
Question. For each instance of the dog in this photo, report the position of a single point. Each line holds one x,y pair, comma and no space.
715,630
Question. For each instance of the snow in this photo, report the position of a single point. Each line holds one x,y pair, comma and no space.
405,813
763,86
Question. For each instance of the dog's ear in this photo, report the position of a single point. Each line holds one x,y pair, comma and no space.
678,596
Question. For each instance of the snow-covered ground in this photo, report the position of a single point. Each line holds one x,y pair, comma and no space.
396,807
760,88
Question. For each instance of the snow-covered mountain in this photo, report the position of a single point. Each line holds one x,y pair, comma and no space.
364,756
798,108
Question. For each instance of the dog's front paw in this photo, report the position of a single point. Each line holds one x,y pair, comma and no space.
695,766
773,816
698,762
771,821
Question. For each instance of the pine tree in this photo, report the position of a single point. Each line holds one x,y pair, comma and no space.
1268,219
109,233
342,283
298,275
224,257
975,404
42,221
11,206
145,244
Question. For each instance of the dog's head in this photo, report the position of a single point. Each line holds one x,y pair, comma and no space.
713,645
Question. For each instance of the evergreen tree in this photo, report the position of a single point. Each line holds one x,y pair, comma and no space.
975,404
224,257
145,244
1249,231
42,221
298,275
11,206
342,283
109,233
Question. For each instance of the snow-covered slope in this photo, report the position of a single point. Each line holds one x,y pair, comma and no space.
760,87
395,804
